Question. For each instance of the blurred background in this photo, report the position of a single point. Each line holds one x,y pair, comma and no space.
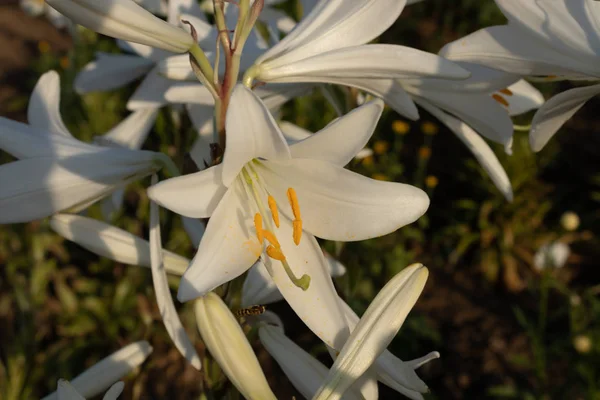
508,324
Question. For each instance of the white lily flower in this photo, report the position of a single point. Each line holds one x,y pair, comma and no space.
375,330
262,177
227,343
557,38
304,371
328,46
39,7
551,255
66,391
259,288
105,373
158,7
163,294
124,19
58,172
113,243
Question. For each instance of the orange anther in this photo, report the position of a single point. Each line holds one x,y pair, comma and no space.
500,99
274,210
259,229
271,238
297,231
275,253
293,199
507,92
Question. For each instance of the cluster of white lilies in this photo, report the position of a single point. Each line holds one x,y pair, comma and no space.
268,188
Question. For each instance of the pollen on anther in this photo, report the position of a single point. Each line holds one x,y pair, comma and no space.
275,253
506,91
274,210
259,230
500,99
297,231
293,199
271,238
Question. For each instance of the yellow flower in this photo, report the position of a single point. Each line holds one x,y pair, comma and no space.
43,46
400,127
381,147
431,181
424,152
429,128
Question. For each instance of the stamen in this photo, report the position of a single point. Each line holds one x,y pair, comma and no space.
297,231
500,99
274,210
259,230
275,253
293,199
507,92
271,238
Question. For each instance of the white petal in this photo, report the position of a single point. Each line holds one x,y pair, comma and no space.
111,242
336,268
513,50
276,18
251,133
114,392
176,68
480,149
195,195
524,98
258,287
123,19
556,111
133,131
202,118
48,185
318,306
163,294
337,204
189,93
150,93
374,61
67,392
178,7
195,230
150,53
334,24
484,114
43,112
111,71
304,371
374,332
341,140
226,251
293,133
107,371
227,343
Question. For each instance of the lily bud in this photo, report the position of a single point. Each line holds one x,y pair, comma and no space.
123,19
228,345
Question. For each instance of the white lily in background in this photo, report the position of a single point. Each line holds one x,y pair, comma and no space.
66,391
480,105
375,331
163,294
328,46
105,373
259,288
57,172
113,243
124,19
558,38
39,7
227,343
268,199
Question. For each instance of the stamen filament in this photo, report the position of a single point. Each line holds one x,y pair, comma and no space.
297,231
274,210
259,229
271,238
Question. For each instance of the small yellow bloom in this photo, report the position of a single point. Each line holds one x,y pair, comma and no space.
381,147
429,128
431,181
400,127
43,46
582,343
570,221
424,152
368,161
65,62
381,177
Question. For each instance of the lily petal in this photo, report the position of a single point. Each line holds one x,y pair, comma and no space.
67,392
163,294
251,133
556,111
100,376
111,71
524,98
226,251
114,392
113,243
133,131
195,230
480,149
338,204
374,332
150,93
189,93
343,139
227,343
317,306
195,195
304,371
179,7
43,112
